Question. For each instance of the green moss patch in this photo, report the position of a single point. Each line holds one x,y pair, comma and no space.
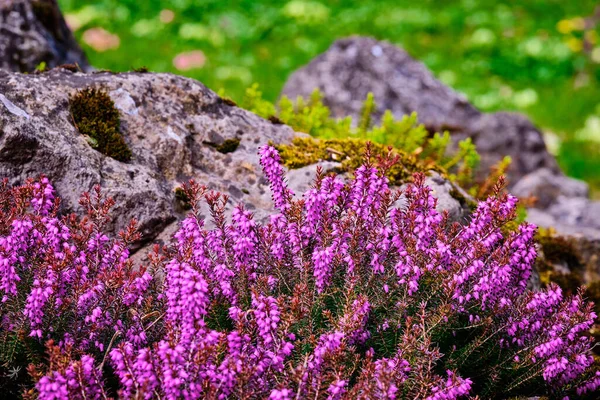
95,115
350,154
228,146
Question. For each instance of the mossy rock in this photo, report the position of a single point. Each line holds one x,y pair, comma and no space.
228,146
558,250
350,153
95,115
561,250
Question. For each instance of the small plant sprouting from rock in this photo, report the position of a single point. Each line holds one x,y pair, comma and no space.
183,198
95,115
228,146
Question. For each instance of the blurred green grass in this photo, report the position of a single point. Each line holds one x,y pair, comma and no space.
532,56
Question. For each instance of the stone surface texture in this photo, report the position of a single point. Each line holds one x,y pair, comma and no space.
173,126
34,31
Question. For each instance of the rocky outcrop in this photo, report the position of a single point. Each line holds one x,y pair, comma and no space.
172,125
550,188
562,204
176,129
34,31
355,66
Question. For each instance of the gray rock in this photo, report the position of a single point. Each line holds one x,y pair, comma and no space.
166,121
584,239
547,187
591,215
355,66
32,31
300,180
171,124
449,196
509,134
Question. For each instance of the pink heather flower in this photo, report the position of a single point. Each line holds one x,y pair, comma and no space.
271,163
454,388
320,203
328,344
390,374
281,394
590,385
81,379
343,294
337,389
53,387
12,254
323,264
43,197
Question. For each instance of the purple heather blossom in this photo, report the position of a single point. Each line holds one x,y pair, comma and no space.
281,394
295,306
455,387
271,163
323,264
53,387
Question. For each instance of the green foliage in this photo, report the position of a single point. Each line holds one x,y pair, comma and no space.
369,106
581,159
253,101
466,159
405,135
41,67
95,115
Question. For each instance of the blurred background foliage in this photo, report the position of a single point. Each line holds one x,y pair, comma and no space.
540,57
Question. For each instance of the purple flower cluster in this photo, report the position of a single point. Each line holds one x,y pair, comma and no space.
62,279
273,170
454,387
78,379
353,290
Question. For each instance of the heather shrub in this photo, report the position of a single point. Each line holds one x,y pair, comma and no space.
63,279
350,291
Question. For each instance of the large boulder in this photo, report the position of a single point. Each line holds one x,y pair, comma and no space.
174,127
34,31
549,188
355,66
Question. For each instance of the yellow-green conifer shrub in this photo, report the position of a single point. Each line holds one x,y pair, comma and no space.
404,134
